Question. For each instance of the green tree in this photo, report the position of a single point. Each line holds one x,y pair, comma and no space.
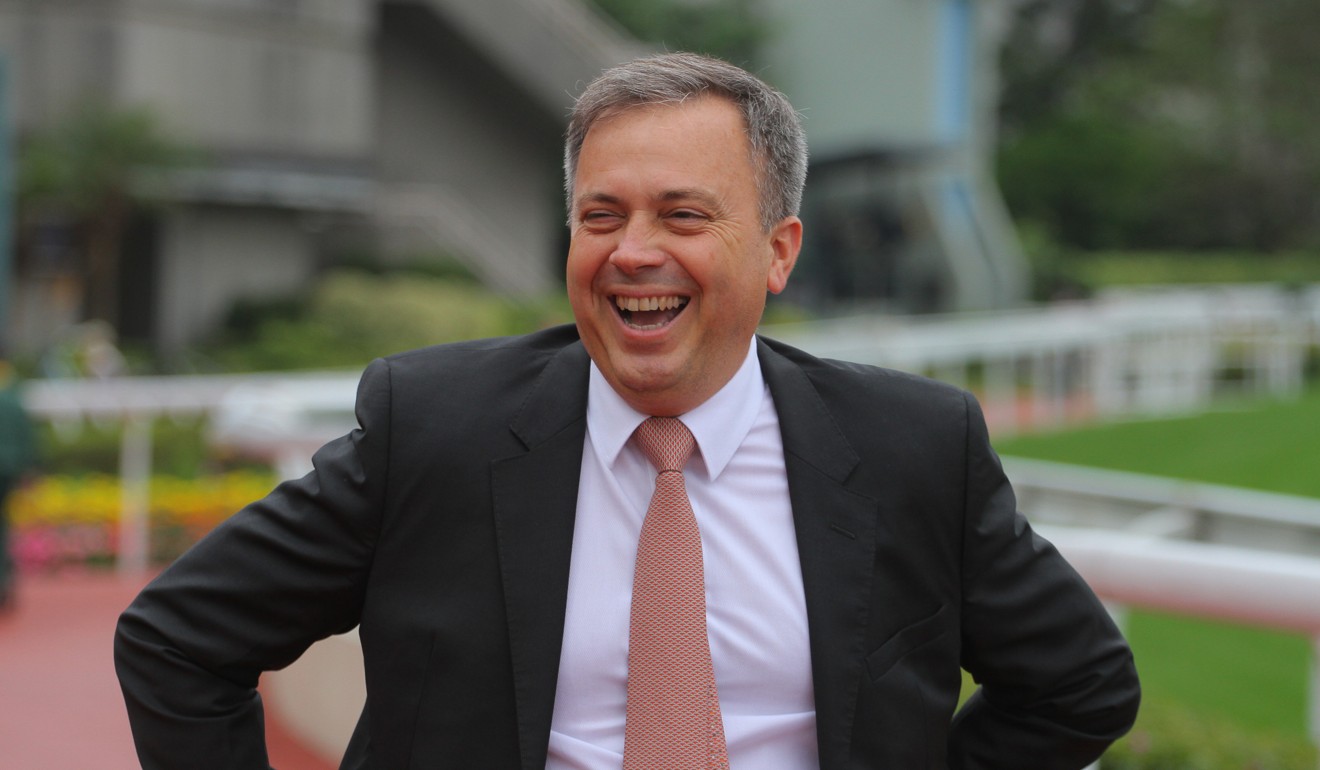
1053,46
91,169
1164,123
1239,79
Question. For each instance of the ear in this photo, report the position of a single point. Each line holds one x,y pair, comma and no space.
785,243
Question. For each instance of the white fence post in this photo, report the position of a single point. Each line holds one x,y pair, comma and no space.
1313,694
135,496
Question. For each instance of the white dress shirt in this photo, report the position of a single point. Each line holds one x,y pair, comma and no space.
756,613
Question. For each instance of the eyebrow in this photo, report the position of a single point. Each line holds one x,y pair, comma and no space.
582,200
682,193
689,193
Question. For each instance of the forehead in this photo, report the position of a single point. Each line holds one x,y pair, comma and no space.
704,133
703,111
714,101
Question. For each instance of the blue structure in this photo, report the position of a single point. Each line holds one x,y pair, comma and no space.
902,210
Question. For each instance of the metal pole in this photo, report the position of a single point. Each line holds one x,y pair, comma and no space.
1314,695
1001,388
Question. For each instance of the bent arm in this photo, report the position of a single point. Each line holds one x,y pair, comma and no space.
1058,683
250,597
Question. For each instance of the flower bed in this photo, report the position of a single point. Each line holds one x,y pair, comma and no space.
59,521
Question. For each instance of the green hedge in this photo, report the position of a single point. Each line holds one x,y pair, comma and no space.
350,317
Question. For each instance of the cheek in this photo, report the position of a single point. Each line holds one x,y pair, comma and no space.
588,251
579,271
582,273
740,279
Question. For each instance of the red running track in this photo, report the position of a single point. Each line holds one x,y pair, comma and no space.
60,707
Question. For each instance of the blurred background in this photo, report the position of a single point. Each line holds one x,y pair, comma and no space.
1101,216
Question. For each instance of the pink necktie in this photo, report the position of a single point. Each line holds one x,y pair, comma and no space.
673,713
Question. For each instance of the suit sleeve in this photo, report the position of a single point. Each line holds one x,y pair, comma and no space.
280,574
1057,680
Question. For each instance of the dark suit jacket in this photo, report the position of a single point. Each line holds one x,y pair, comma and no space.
443,527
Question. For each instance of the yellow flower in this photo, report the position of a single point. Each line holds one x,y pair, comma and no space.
199,504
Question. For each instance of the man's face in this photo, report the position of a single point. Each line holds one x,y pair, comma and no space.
669,265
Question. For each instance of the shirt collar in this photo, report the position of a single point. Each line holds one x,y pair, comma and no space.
719,425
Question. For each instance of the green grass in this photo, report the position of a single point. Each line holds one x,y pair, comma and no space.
1198,672
1251,677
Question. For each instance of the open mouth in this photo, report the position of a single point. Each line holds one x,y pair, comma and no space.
647,313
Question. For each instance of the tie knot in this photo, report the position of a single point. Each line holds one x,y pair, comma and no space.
666,442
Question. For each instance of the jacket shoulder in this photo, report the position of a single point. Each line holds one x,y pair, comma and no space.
528,351
480,383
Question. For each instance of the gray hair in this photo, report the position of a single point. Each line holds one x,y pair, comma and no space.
774,131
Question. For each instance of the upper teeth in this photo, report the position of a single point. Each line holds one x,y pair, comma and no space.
634,304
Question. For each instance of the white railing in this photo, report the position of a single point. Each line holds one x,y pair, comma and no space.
1220,582
1131,352
1123,353
1203,550
1138,504
284,415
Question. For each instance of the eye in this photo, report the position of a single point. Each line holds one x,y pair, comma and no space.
686,217
600,218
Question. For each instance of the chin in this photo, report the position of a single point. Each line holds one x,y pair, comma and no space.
648,387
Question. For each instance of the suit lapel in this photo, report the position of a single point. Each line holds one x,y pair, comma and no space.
535,500
836,531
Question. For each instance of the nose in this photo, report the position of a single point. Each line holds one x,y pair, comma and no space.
638,247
